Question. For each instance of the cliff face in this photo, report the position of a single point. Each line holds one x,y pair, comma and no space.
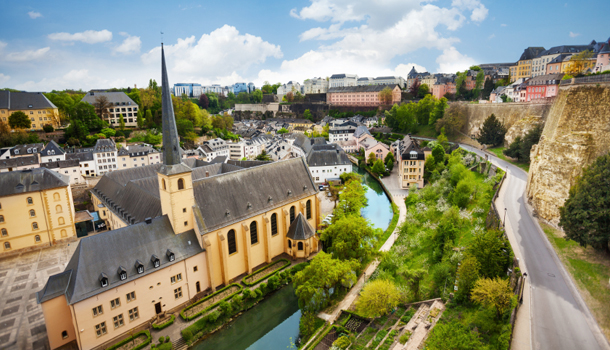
507,113
576,132
521,127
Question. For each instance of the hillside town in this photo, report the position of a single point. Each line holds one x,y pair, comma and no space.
449,210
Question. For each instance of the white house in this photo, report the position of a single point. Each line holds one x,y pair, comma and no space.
327,162
340,80
105,156
52,153
70,168
214,148
316,86
86,163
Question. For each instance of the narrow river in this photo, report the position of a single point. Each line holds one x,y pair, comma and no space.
378,209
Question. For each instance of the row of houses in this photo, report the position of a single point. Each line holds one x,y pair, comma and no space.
195,90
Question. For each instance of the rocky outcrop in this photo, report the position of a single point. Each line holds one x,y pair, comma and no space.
507,113
576,132
522,127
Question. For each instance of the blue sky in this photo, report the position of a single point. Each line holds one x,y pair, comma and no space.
69,44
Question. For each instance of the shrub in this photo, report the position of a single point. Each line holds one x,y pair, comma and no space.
273,282
127,340
165,324
48,128
405,337
165,346
167,339
263,286
225,307
259,293
342,342
161,340
213,316
187,335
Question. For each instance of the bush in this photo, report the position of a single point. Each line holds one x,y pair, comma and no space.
259,293
127,340
225,307
165,346
342,342
48,128
187,335
167,339
405,337
273,282
165,324
213,316
161,340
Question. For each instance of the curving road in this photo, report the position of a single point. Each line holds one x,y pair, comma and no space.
559,317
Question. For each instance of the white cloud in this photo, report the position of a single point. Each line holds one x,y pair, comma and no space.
503,25
215,56
4,78
131,44
89,36
574,35
28,55
34,15
479,11
491,36
479,14
452,61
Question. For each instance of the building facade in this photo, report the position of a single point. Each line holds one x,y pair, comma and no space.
361,95
543,87
343,80
137,155
188,89
411,159
105,156
35,105
316,86
69,168
119,105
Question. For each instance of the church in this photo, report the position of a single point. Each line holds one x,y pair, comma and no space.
178,230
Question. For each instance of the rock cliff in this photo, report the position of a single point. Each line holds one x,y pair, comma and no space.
521,127
576,132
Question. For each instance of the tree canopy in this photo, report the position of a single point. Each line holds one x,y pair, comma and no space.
378,298
19,120
493,293
350,237
492,132
520,148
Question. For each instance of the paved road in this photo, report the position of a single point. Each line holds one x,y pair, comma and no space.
559,317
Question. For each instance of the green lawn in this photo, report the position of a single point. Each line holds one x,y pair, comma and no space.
426,131
498,152
591,271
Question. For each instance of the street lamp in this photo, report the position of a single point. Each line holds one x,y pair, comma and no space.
504,221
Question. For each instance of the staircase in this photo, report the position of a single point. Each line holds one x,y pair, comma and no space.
180,344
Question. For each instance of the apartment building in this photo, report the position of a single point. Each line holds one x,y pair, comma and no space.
35,105
119,104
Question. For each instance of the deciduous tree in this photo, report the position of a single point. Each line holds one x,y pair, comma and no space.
19,120
350,237
204,102
101,105
468,275
493,252
453,120
378,298
494,293
455,336
385,96
413,278
378,167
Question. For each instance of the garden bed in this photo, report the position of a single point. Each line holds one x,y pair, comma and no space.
160,324
209,302
135,342
265,272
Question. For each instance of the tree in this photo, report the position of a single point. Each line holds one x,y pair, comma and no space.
315,284
257,96
121,122
493,293
460,196
289,96
488,87
101,105
108,132
414,89
184,127
413,278
492,132
385,96
493,252
140,120
378,168
352,199
204,102
514,149
585,215
389,158
371,159
531,138
377,298
263,156
349,177
350,237
453,120
438,152
307,324
455,336
389,164
439,110
307,115
578,62
282,131
469,274
423,90
19,120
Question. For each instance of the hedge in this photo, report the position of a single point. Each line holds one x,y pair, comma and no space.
163,325
267,275
184,317
127,340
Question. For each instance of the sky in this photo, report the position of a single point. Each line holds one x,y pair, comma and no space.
46,45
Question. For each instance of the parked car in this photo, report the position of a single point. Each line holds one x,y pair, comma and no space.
321,188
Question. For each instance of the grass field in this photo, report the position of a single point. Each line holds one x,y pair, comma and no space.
591,271
498,152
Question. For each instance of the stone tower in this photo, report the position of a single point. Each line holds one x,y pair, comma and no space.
175,178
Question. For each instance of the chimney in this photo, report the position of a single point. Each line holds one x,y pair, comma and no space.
207,174
148,220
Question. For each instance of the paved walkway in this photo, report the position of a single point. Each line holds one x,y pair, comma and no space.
355,291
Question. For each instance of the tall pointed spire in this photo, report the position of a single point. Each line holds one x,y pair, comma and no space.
171,142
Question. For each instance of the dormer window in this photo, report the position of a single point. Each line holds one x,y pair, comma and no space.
155,261
139,267
103,280
122,273
170,255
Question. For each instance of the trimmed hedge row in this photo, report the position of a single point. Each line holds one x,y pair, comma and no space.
127,340
286,261
188,318
163,325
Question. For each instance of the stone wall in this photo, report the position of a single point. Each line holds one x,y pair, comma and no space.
576,132
522,127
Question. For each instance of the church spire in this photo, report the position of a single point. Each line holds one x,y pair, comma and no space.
171,142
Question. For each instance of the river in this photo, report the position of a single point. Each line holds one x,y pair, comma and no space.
378,210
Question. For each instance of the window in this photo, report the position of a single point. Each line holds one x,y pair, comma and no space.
32,212
163,182
1,218
37,238
289,244
292,214
115,303
300,245
253,233
231,242
64,233
4,233
56,196
58,209
118,321
178,293
180,184
100,329
308,209
131,296
273,224
30,201
61,220
134,314
176,278
64,334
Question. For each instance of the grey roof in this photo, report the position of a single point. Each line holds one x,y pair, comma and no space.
23,181
566,49
531,53
29,148
24,100
69,163
559,58
136,150
327,155
408,145
107,251
104,145
118,98
235,196
385,78
247,163
547,79
219,159
361,130
362,88
19,161
337,76
171,143
300,229
52,146
81,156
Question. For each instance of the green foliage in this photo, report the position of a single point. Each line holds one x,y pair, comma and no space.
142,345
48,128
493,293
348,177
307,115
492,132
108,132
469,274
405,337
389,157
184,127
521,148
455,336
408,117
282,131
389,163
263,156
371,159
493,252
308,324
438,154
19,120
342,342
585,215
453,120
377,298
350,237
378,167
423,90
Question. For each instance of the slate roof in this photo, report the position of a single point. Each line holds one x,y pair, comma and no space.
362,88
29,148
69,163
105,252
23,181
136,150
23,100
300,229
104,145
531,53
52,146
116,98
19,161
81,156
361,130
408,145
327,155
547,79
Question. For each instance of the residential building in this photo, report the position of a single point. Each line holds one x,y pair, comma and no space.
602,62
390,80
539,63
444,86
137,156
20,163
70,168
327,162
554,65
86,162
342,80
342,132
316,86
248,149
411,159
284,89
496,94
189,89
361,95
104,156
179,230
52,152
362,81
523,68
119,104
414,75
543,87
570,64
214,148
36,209
27,150
35,105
